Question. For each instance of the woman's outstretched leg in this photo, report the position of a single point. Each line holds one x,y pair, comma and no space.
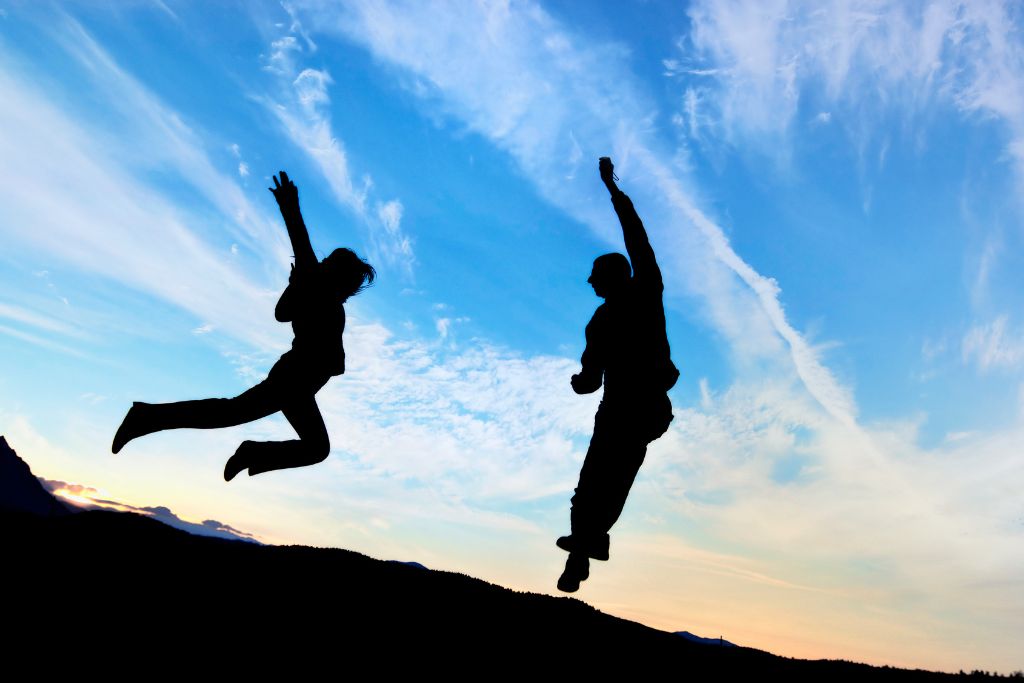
312,446
212,413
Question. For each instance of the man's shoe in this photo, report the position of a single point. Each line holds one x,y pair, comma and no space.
566,543
577,570
595,550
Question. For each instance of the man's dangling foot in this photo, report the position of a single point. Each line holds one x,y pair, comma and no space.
577,570
597,549
566,543
239,461
133,426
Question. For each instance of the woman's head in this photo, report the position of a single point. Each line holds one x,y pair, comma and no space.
349,273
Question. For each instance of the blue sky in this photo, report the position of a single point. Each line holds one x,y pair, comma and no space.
833,192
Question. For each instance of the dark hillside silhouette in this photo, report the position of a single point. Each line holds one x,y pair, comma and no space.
20,490
112,591
721,642
314,606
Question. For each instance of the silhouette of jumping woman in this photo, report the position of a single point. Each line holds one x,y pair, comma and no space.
313,302
627,350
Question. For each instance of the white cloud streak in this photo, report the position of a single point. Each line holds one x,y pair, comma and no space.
303,110
168,143
42,342
993,346
752,62
108,223
38,320
498,68
478,422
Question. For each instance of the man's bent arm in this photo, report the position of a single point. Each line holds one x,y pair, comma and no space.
590,378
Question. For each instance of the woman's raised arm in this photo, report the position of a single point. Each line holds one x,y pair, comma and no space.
287,196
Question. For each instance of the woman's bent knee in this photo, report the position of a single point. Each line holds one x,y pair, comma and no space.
319,449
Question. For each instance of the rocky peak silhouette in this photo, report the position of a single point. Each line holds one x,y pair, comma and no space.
20,490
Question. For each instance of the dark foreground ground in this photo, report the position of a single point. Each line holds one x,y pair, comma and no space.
101,595
120,592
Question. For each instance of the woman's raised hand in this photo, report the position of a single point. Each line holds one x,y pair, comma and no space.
285,192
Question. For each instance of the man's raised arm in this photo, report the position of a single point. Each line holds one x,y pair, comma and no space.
287,196
638,246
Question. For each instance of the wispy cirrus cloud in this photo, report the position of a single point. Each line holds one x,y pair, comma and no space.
108,222
41,321
303,108
748,66
994,346
169,142
480,423
753,73
496,69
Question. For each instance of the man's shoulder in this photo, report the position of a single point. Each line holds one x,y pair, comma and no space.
647,288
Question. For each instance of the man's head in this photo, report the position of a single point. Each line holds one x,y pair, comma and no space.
610,276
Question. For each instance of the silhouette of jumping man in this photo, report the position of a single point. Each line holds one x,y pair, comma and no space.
313,302
627,349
